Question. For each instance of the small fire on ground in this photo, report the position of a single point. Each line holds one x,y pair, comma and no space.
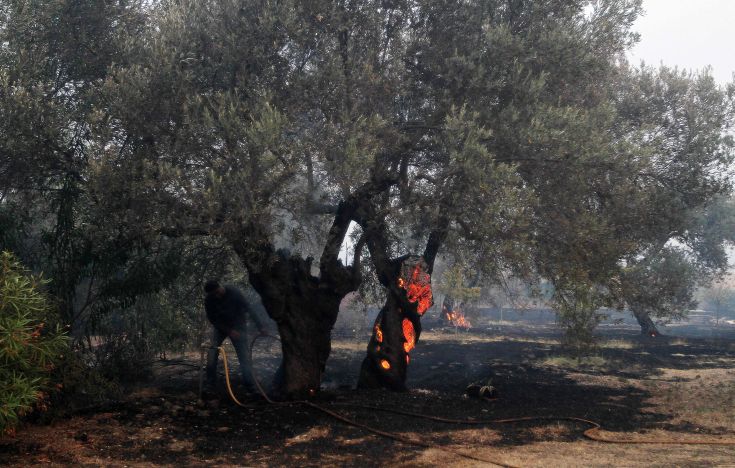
456,318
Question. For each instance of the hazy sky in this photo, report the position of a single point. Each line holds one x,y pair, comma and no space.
689,33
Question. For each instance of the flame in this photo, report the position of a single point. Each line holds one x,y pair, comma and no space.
409,334
457,318
378,334
408,359
384,364
418,289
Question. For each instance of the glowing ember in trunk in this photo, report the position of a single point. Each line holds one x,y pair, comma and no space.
418,289
409,334
378,334
417,284
384,364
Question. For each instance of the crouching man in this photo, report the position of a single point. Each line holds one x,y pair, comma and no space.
227,309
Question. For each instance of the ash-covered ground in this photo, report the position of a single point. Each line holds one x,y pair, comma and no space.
679,387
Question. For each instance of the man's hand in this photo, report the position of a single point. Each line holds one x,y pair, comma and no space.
235,335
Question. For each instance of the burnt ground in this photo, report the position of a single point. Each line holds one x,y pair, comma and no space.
636,388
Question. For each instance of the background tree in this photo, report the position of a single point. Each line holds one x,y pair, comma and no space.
52,56
661,286
719,297
662,282
458,293
683,124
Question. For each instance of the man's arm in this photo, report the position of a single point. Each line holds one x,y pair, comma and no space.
249,311
258,322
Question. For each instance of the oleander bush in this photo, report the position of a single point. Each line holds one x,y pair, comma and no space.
31,343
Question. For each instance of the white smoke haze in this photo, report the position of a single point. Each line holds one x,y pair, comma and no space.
688,34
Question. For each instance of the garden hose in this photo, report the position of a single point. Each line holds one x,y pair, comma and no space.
591,433
344,419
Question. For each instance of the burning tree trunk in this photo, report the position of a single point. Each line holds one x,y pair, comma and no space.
398,326
648,328
407,280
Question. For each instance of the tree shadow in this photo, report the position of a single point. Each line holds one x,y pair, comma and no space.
264,434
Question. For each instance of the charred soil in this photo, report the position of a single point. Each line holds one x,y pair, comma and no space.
636,388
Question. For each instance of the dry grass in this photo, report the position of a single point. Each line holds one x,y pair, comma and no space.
575,363
350,345
618,344
678,342
470,337
701,397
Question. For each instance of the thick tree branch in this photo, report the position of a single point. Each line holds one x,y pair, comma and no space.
435,241
336,235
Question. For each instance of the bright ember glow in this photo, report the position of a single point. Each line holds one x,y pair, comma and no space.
378,334
409,334
418,289
384,364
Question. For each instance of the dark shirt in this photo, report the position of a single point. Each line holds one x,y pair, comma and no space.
228,312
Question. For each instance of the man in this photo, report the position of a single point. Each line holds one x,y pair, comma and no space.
226,309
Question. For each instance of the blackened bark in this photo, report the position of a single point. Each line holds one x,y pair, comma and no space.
648,328
388,356
435,241
398,326
305,310
303,306
374,373
447,308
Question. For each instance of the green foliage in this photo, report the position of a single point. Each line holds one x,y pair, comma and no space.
13,220
719,298
30,343
577,307
81,384
663,285
453,283
511,132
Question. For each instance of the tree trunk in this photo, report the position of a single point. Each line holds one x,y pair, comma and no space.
303,306
407,280
447,308
648,328
305,314
398,326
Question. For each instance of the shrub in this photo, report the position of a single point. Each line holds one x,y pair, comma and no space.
577,313
29,344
